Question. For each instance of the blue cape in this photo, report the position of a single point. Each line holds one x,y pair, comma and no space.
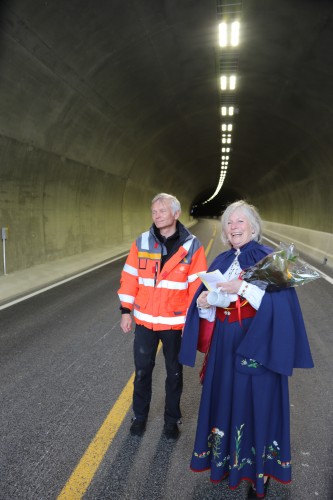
276,337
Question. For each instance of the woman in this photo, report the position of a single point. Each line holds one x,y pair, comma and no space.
243,430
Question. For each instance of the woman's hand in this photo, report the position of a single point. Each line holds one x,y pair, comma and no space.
202,300
232,286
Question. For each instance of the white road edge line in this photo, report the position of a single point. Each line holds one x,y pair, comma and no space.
41,290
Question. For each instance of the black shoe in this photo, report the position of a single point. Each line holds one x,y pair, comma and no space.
171,431
138,427
253,493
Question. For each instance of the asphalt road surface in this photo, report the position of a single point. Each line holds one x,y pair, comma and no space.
65,371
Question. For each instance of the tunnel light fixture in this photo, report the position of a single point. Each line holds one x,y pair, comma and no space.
224,83
217,190
226,138
227,111
235,27
223,34
228,82
229,34
222,177
226,127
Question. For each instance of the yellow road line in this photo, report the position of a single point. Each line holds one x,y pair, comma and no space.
89,463
211,241
209,247
84,472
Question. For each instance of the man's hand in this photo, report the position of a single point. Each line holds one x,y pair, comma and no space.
126,323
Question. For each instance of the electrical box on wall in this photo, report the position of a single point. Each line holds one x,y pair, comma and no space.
4,233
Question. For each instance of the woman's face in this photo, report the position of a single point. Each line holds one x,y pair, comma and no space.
239,230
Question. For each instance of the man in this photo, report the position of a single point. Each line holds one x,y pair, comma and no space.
157,283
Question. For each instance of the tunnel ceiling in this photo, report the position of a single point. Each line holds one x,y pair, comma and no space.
121,76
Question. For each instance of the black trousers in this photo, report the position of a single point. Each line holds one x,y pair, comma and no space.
145,348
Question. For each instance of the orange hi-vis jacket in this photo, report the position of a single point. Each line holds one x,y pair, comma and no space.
160,298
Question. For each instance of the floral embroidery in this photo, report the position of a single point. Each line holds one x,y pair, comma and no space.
250,363
272,452
204,454
214,441
238,438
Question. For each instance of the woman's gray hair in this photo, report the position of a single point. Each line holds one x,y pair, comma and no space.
250,212
174,202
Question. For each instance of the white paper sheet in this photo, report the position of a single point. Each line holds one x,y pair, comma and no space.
210,280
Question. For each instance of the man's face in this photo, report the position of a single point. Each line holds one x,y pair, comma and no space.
163,217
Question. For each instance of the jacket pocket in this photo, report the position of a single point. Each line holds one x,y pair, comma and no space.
177,302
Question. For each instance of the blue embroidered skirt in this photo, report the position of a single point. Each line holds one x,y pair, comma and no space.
243,428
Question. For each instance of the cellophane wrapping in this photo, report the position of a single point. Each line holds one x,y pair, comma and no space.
280,269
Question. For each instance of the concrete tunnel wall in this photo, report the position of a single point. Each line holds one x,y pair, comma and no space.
55,207
83,151
72,179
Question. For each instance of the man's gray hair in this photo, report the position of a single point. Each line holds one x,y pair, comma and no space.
251,213
174,202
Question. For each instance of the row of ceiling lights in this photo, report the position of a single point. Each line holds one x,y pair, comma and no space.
228,40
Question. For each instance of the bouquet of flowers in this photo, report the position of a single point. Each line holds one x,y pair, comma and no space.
280,269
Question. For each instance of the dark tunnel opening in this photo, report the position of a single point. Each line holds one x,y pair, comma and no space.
215,207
